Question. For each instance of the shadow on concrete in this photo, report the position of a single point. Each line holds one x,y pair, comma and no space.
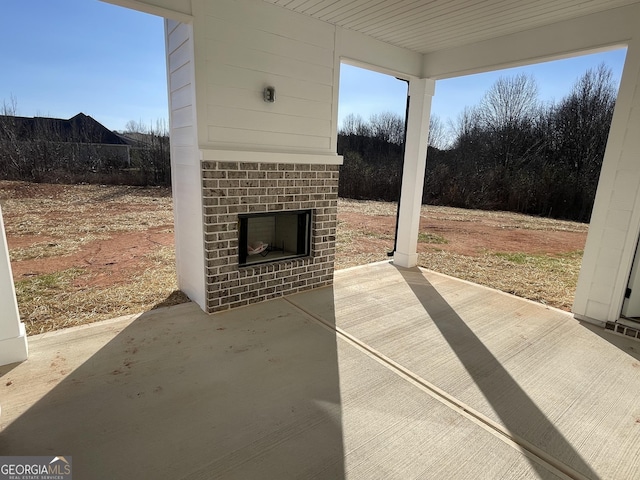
250,393
174,298
627,345
5,369
517,412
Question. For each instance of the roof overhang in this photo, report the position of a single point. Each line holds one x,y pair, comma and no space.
447,38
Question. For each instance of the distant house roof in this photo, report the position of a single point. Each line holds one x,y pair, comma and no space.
78,129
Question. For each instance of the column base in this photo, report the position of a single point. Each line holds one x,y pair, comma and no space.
406,260
15,349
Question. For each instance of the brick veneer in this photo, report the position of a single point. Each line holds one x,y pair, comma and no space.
230,188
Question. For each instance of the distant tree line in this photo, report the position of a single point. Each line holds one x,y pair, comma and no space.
510,152
60,151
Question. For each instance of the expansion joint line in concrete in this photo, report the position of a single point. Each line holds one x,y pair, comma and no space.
518,443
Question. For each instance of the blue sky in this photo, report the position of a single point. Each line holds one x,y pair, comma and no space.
61,57
365,92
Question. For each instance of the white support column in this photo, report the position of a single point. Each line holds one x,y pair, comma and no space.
415,161
13,337
615,221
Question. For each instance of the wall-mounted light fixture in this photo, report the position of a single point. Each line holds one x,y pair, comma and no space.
270,94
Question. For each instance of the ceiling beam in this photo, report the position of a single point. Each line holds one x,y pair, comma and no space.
600,31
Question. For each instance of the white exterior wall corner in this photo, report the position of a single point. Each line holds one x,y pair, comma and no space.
589,33
13,337
185,162
615,221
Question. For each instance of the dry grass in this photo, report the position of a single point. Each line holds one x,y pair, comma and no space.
547,279
70,216
56,221
53,301
498,219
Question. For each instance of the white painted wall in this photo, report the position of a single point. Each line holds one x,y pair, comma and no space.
185,162
243,46
13,338
615,222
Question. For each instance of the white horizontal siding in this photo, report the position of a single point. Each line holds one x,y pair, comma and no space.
182,117
246,46
233,117
178,34
180,59
182,137
181,77
180,56
229,76
170,26
181,97
220,52
264,17
251,99
185,162
241,35
254,139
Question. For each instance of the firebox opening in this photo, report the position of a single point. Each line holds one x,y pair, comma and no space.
274,236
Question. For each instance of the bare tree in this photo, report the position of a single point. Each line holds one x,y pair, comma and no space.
583,117
509,102
437,133
581,124
10,148
10,107
388,127
465,125
150,156
135,127
353,124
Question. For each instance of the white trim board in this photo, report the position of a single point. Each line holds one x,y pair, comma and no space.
212,155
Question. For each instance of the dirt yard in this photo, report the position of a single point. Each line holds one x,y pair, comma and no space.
82,253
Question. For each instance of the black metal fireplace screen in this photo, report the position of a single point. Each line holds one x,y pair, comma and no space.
274,236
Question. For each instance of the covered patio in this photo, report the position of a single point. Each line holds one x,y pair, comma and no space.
382,371
253,103
389,373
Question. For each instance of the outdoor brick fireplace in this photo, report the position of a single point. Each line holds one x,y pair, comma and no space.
273,236
269,230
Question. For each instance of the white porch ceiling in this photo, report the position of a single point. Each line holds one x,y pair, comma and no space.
429,26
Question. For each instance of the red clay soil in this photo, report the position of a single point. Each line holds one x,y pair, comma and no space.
106,262
114,260
471,238
474,238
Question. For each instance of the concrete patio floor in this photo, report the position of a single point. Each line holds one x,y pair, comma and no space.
391,374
